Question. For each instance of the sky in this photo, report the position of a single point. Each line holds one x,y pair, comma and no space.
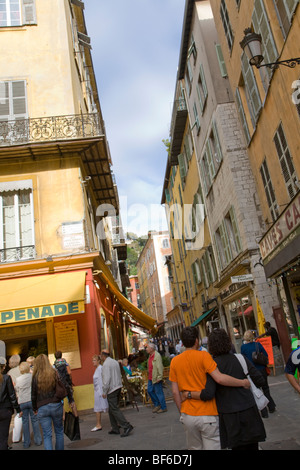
135,52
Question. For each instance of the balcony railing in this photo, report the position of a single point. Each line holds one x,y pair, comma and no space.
22,253
54,128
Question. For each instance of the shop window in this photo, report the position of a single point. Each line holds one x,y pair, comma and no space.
242,319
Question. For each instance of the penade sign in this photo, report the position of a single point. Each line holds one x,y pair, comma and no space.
40,313
284,230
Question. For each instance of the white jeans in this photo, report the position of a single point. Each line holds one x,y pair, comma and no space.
202,432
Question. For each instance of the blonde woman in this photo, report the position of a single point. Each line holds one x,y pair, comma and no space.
23,390
46,403
8,402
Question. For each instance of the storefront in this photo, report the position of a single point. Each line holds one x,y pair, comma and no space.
78,312
238,301
280,252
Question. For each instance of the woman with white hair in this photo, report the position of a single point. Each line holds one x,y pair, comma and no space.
8,402
14,371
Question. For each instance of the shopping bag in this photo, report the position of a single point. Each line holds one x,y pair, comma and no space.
71,427
17,430
259,397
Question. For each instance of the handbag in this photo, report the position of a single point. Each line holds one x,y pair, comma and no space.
71,427
259,397
60,389
259,357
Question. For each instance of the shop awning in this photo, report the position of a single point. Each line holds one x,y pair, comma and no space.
203,316
140,317
41,297
248,311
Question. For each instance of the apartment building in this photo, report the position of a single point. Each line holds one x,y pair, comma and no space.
267,100
228,282
155,292
60,282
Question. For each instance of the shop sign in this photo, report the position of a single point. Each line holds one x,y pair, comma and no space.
283,229
242,278
40,313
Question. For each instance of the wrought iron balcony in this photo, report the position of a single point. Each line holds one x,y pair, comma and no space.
50,129
22,253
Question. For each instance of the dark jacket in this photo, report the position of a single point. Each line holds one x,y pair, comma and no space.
40,399
232,399
8,397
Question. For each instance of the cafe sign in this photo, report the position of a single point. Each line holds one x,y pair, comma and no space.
285,229
41,313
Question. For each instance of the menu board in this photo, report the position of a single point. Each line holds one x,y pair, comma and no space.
66,341
266,342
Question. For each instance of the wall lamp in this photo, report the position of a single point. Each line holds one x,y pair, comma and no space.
251,44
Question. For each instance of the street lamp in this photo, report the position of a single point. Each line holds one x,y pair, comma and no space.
251,44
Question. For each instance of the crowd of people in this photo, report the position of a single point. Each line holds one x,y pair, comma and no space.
210,388
35,390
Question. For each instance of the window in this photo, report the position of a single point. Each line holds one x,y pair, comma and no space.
285,10
227,239
196,273
17,12
197,121
214,146
13,102
183,167
165,243
251,90
202,89
226,24
16,221
269,190
241,111
286,161
261,24
221,61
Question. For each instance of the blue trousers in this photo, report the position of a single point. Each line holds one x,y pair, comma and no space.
48,415
28,413
156,393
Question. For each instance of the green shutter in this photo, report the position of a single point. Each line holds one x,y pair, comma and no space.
221,61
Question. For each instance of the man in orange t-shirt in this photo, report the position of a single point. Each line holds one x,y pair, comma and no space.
188,372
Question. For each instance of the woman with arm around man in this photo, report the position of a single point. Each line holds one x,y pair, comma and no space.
241,426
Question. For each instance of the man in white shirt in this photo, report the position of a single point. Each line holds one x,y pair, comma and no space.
112,385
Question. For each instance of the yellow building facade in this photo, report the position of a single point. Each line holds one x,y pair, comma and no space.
58,196
230,285
268,102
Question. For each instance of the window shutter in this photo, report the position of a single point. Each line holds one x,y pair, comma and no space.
262,25
167,194
217,141
235,229
242,115
254,100
29,12
182,168
4,101
221,60
19,98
